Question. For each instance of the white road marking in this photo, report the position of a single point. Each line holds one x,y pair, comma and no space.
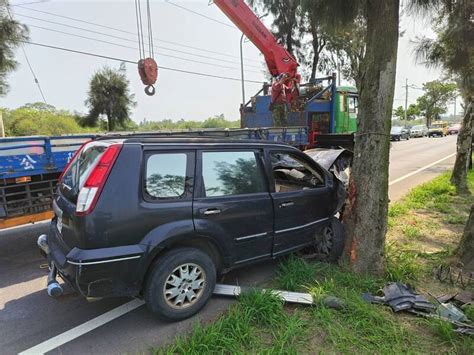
419,170
109,316
9,229
84,328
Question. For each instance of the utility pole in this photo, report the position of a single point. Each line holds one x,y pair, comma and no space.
2,127
455,107
406,98
338,73
242,68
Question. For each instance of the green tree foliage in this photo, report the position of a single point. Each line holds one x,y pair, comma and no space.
109,96
345,50
29,120
217,121
12,33
287,20
453,50
413,111
434,102
299,27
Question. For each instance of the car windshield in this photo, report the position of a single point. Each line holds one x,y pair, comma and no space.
396,129
437,125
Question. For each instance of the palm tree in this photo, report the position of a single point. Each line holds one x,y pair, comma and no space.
109,95
12,34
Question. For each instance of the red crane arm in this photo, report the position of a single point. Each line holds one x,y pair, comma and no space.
278,59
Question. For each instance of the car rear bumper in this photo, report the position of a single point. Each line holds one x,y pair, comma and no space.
104,272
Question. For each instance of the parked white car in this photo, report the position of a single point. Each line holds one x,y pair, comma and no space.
419,131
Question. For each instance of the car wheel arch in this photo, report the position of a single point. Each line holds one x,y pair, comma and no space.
203,243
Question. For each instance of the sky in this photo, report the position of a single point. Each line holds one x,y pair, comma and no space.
183,40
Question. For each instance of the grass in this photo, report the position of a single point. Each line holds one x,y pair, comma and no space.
424,230
257,323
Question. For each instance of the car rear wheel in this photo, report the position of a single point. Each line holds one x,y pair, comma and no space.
180,284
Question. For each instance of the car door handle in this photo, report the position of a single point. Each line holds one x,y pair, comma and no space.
212,211
286,204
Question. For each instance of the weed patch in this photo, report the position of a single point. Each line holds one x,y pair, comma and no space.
294,274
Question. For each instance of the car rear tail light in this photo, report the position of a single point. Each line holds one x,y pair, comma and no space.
95,182
72,159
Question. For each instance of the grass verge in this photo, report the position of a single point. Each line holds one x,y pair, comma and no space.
424,230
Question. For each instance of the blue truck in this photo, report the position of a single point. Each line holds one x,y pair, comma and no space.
323,118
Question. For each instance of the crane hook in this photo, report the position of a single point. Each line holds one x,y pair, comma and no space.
148,70
150,90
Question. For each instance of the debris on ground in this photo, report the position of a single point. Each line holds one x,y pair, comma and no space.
454,275
287,296
401,297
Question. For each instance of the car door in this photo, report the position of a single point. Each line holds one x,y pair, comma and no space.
301,199
233,203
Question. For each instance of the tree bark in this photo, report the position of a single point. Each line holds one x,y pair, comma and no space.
464,143
366,215
466,247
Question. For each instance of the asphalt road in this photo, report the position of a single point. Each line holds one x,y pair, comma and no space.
29,317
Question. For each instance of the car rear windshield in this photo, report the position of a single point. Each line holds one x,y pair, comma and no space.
75,176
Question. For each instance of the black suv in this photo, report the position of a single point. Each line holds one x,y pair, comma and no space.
161,218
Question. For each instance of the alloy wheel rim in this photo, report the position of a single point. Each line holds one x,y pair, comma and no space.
326,243
184,286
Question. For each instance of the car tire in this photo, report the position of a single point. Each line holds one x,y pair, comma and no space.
333,234
166,285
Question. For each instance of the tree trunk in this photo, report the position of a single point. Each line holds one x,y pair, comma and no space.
316,50
461,166
366,215
466,247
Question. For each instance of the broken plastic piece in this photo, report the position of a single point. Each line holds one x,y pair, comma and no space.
451,312
400,297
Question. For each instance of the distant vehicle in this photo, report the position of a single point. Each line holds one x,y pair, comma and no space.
439,129
398,133
454,129
162,218
419,131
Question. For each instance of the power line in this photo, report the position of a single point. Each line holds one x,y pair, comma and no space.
126,39
129,32
28,61
199,14
135,48
132,62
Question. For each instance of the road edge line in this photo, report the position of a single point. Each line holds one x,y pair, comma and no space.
83,328
401,178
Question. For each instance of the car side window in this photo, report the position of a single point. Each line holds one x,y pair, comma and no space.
231,173
166,176
292,173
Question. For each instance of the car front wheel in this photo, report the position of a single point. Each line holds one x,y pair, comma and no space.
180,284
331,241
